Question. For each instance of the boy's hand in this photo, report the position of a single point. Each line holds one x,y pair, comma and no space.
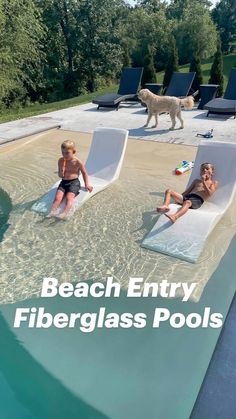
205,177
89,188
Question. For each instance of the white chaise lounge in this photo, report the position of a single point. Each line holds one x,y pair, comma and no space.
103,166
185,238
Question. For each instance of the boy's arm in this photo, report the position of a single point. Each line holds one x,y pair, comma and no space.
190,188
61,168
85,176
209,189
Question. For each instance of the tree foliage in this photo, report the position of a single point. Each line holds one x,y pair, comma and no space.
101,53
224,15
149,72
195,66
55,49
216,73
195,31
21,50
172,63
145,29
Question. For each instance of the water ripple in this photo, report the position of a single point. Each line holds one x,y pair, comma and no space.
103,238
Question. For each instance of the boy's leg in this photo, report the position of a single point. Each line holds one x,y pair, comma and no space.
58,198
70,196
168,195
185,207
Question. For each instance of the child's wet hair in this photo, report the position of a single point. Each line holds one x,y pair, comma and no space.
206,165
68,145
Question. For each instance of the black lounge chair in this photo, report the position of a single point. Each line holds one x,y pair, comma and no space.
128,89
225,105
180,84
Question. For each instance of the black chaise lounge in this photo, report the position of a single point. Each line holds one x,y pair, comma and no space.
128,89
225,105
180,84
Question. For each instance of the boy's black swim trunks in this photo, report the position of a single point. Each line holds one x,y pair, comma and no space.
70,186
196,200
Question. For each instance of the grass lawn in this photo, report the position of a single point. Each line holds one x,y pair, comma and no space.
229,62
37,109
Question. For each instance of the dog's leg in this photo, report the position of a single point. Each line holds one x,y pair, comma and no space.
156,119
148,120
173,120
180,119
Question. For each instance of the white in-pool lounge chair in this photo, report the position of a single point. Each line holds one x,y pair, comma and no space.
103,166
185,238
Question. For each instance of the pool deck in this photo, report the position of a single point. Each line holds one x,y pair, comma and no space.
85,118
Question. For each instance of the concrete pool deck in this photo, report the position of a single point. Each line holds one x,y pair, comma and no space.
85,118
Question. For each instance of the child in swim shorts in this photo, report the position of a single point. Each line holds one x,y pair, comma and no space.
194,196
69,169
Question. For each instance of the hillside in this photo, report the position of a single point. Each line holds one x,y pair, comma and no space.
229,62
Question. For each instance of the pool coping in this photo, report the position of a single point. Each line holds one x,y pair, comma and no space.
24,131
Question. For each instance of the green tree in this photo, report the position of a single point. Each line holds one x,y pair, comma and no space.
176,8
172,63
152,6
145,29
100,50
149,72
21,50
224,15
195,66
61,70
216,73
126,56
195,31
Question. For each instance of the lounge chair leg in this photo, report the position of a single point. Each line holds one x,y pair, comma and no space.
208,114
117,108
98,107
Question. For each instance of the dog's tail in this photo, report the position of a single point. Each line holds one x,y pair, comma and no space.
187,102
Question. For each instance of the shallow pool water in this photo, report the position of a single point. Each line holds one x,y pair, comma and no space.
109,373
103,237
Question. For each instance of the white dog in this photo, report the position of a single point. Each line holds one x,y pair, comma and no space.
157,104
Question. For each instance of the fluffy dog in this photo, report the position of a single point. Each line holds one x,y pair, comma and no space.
172,105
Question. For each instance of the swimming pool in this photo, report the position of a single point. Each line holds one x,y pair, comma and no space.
109,374
104,237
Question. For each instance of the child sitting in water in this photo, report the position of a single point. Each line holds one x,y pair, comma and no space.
69,168
195,194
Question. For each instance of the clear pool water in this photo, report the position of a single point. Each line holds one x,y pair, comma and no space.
108,374
104,237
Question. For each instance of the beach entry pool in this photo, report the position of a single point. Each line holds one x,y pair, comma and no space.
103,237
75,373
